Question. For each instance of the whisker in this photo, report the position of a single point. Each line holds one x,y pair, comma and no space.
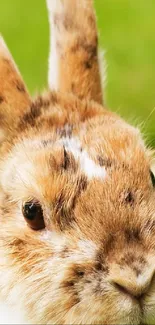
151,113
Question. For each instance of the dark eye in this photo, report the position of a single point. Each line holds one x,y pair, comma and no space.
33,214
152,178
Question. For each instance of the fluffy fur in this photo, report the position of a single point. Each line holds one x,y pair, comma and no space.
93,263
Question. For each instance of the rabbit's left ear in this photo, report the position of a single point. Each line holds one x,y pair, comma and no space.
14,98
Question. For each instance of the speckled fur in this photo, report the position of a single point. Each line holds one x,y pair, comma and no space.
94,261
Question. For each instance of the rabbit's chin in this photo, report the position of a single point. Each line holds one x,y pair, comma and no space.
126,311
11,315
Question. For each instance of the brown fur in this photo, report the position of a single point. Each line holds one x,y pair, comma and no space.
94,261
77,50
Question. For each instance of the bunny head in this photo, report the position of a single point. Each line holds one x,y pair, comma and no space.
77,236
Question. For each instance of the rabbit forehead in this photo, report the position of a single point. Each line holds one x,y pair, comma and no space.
34,156
95,150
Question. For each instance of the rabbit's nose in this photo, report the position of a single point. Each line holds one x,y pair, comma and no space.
129,282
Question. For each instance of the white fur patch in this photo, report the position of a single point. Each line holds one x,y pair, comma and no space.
88,166
53,7
88,248
53,64
85,250
10,315
55,239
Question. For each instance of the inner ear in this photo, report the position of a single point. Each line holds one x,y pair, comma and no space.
14,97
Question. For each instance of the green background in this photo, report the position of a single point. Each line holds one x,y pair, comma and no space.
127,34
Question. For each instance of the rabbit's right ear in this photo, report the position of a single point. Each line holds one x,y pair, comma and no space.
14,98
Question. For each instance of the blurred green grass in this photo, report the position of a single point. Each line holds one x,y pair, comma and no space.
127,29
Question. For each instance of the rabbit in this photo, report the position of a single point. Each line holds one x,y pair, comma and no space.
77,193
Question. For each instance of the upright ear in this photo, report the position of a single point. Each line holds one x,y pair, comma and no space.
74,65
14,98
